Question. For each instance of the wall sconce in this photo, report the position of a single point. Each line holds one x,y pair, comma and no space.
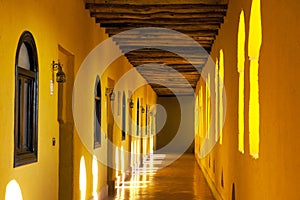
143,109
131,104
60,75
151,113
110,92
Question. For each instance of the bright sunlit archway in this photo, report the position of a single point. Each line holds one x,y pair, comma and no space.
95,176
82,178
13,191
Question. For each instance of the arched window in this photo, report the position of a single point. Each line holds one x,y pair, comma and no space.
26,101
123,117
97,118
147,120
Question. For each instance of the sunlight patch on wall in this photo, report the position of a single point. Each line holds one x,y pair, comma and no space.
240,68
13,191
196,117
217,103
117,160
82,178
221,95
208,105
95,176
201,112
255,40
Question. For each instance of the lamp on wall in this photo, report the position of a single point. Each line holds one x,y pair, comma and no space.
131,104
60,75
143,109
110,92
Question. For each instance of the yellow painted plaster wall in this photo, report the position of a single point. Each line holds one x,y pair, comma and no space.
275,174
178,112
52,23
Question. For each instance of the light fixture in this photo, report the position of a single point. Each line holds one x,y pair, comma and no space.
110,92
143,109
60,75
131,104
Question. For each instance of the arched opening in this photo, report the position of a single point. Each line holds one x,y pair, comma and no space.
124,116
97,111
26,101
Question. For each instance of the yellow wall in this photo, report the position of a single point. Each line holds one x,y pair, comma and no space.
53,24
275,173
170,127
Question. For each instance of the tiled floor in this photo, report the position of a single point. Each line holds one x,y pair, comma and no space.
182,180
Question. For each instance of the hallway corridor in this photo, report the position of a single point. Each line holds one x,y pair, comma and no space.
182,179
100,99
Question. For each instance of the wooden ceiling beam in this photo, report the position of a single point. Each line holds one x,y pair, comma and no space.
178,67
151,50
191,33
162,54
156,75
159,22
166,44
136,37
168,92
157,2
178,81
181,28
160,16
194,51
153,85
166,61
149,8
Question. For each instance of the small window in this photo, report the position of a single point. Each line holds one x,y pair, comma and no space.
123,117
26,101
147,120
97,118
138,118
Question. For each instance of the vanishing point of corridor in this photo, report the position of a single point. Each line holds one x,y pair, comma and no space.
182,179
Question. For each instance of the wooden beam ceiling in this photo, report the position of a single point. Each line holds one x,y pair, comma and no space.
198,19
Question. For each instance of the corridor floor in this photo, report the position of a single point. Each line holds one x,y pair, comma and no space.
182,179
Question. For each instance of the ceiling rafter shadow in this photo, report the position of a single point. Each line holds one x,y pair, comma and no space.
198,19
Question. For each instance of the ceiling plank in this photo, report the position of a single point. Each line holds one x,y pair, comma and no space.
151,51
150,8
181,27
157,2
146,53
159,22
159,16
